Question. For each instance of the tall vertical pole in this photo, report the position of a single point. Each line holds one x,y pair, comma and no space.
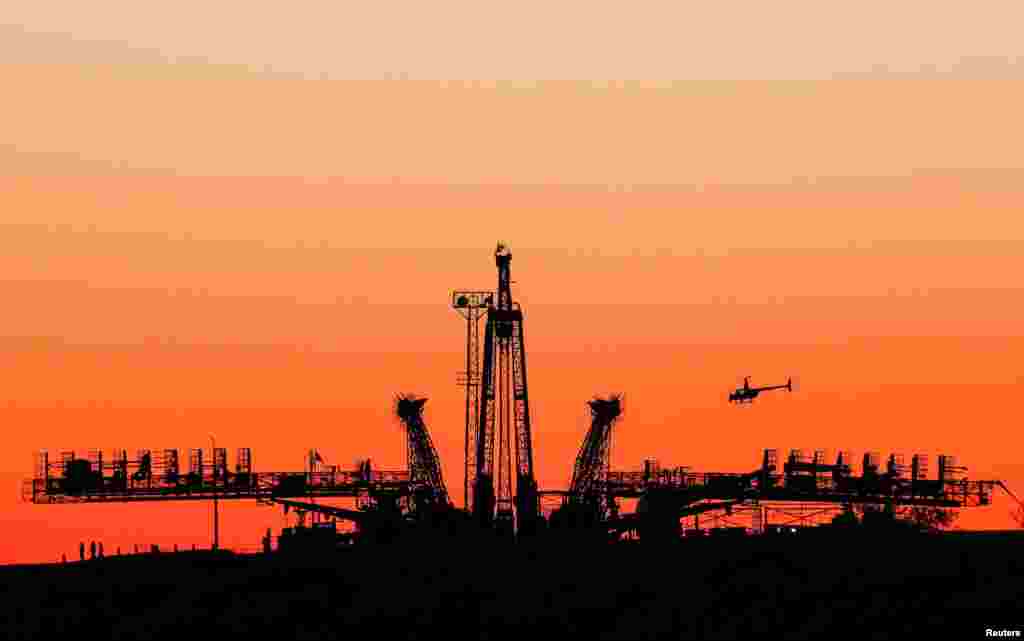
216,511
470,391
471,306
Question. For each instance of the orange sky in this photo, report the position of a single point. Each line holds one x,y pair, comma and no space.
139,339
202,246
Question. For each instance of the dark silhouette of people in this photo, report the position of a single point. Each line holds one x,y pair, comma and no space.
101,549
63,558
266,542
119,550
81,551
92,549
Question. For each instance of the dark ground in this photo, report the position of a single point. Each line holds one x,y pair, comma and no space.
801,586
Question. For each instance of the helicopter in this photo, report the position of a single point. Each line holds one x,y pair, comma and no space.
747,394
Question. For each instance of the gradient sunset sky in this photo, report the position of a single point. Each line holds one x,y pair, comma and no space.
246,218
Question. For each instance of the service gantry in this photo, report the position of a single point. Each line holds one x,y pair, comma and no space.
503,429
424,463
590,473
587,502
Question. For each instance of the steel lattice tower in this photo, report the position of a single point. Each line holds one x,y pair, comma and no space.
503,432
590,474
424,464
472,305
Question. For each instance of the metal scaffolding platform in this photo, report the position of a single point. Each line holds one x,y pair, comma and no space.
812,480
120,479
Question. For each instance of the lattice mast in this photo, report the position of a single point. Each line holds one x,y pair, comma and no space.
593,461
503,432
424,463
472,306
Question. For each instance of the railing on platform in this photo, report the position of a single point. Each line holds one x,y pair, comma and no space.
91,487
836,488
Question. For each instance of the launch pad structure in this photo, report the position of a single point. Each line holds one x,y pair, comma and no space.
500,493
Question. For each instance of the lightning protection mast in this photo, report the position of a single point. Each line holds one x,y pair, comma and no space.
472,306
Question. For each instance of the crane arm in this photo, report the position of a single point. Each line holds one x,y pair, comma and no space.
630,521
1011,494
356,516
706,507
